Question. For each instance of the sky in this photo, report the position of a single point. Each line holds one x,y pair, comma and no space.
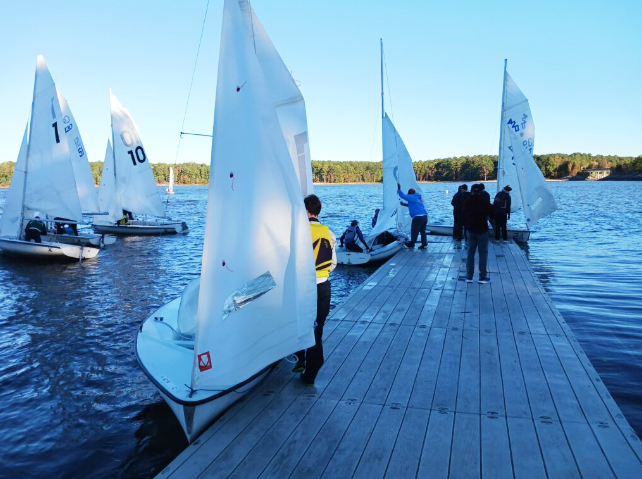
578,62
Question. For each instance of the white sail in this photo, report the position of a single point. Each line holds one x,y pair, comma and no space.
287,98
257,300
50,185
397,168
80,163
108,197
134,177
12,212
536,197
170,187
516,116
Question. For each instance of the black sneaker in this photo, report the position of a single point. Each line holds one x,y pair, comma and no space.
469,280
484,280
299,367
423,246
409,245
307,381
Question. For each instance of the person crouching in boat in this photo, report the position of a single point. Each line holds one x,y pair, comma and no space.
309,361
350,236
35,229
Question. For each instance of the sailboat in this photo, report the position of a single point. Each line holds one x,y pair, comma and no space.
255,300
132,186
516,166
393,224
43,187
170,186
84,185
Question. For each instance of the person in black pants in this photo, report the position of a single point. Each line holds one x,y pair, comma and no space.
324,242
501,211
458,217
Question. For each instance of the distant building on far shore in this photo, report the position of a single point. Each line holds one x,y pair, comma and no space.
597,173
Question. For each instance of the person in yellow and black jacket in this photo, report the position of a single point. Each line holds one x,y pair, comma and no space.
324,243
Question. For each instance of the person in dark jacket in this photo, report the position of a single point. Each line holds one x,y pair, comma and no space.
501,210
457,202
418,214
35,229
476,210
350,236
486,195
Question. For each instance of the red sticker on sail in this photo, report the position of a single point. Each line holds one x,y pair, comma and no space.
204,361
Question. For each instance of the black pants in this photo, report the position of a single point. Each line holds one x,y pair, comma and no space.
313,357
500,225
33,234
458,227
418,226
354,247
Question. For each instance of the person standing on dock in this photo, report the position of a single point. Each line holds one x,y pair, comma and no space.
501,210
476,210
458,218
324,243
418,214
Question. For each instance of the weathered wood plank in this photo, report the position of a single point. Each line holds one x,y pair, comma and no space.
527,458
465,458
404,380
495,448
448,379
424,387
407,451
435,456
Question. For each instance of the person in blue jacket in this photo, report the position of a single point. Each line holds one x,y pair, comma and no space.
350,236
418,214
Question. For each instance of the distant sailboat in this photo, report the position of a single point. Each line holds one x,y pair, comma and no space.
515,165
393,218
253,304
132,186
43,186
170,186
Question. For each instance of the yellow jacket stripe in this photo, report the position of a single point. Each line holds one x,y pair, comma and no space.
322,244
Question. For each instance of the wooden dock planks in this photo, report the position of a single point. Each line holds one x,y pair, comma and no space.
427,376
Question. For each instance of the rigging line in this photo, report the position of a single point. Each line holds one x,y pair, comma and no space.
189,93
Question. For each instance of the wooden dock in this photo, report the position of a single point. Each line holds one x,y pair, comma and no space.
427,376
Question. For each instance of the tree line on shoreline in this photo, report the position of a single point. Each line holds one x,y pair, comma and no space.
463,168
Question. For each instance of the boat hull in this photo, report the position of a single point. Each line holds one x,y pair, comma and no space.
167,360
379,254
144,228
83,239
519,236
47,250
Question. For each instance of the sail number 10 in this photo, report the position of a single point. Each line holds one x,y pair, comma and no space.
140,155
137,154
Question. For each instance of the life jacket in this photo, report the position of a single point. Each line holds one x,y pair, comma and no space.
322,244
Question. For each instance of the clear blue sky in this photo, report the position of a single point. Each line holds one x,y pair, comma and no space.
578,62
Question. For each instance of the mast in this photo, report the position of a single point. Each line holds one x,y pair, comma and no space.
501,131
381,47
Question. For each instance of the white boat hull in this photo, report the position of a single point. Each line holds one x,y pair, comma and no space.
144,228
46,249
379,253
84,239
167,360
520,236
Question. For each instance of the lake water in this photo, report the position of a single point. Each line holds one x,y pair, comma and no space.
75,404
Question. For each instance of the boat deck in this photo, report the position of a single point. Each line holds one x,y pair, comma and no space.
427,376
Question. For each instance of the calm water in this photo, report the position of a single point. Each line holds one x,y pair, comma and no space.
74,403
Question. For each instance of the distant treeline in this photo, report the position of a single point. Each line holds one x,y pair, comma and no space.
463,168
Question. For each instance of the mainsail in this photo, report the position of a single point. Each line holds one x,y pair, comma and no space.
170,186
50,184
516,166
80,163
134,177
257,299
287,98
